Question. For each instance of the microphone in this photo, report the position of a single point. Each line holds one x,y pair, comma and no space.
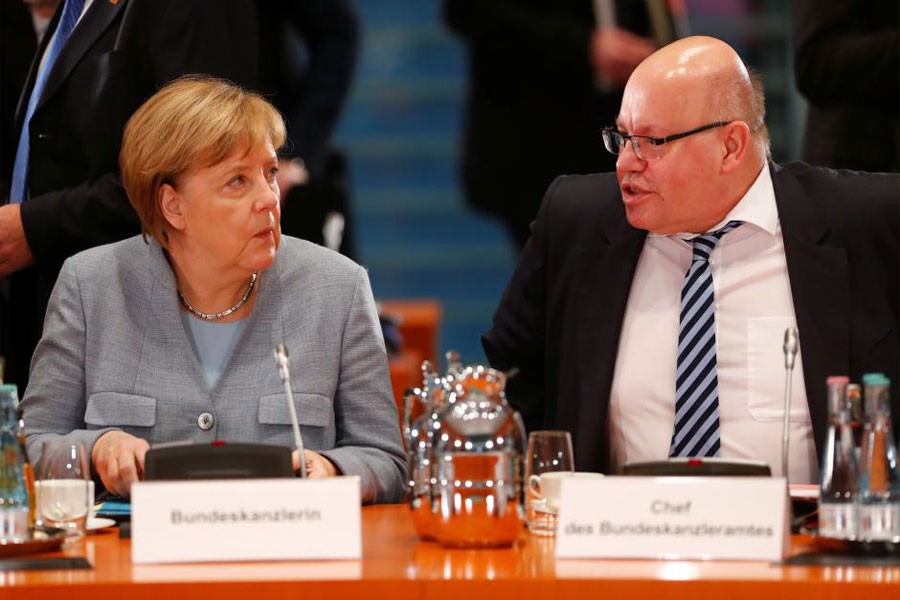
790,346
284,371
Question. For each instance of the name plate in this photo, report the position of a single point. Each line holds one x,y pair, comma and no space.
245,519
735,518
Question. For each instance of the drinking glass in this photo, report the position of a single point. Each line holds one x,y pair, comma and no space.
548,451
64,491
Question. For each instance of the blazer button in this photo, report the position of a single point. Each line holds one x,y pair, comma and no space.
206,421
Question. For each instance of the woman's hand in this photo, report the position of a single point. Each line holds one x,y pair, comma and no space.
317,466
118,458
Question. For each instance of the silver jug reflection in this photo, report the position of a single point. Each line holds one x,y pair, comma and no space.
465,457
477,450
420,410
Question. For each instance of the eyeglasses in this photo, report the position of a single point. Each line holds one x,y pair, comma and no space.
645,146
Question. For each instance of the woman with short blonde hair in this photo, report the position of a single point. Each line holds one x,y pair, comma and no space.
193,121
169,337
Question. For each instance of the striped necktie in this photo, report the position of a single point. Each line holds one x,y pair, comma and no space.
68,19
697,386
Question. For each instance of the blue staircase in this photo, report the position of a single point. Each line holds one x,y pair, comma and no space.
401,129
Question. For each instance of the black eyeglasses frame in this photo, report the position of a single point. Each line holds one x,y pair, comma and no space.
656,141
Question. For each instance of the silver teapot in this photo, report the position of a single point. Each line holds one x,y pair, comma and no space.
465,457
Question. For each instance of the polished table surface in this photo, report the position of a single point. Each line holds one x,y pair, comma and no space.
397,565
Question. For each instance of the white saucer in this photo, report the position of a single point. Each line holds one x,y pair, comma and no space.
95,523
799,491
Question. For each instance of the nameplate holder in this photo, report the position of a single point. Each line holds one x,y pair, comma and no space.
725,518
246,520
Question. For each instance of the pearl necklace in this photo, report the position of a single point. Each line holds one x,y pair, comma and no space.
224,313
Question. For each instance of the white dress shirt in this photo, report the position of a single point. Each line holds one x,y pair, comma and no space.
753,307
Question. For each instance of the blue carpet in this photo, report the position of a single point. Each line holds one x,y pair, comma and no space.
401,129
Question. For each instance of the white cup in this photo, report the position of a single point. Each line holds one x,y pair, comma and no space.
546,487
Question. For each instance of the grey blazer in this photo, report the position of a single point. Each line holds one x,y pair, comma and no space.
115,354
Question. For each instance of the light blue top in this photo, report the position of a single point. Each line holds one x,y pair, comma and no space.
214,342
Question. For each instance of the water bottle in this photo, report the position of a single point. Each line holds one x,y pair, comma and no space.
13,494
840,472
879,497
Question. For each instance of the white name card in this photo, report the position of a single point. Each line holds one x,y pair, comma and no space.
245,519
735,518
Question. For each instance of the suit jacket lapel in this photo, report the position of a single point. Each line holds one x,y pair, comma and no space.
608,269
168,340
820,289
92,25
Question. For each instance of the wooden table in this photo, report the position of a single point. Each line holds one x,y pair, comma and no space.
398,566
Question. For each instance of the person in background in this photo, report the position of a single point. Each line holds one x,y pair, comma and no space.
95,65
847,63
22,26
647,312
308,51
544,79
306,65
169,336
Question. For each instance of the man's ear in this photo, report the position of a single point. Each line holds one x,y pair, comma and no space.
735,145
170,204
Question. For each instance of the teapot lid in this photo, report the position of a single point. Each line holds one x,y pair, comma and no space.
475,413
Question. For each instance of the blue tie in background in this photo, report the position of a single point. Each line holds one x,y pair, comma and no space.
67,21
697,385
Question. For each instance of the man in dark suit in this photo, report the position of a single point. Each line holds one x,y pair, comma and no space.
604,315
544,79
847,62
18,42
119,53
310,93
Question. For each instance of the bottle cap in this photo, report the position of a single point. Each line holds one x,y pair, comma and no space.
837,380
875,379
877,394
